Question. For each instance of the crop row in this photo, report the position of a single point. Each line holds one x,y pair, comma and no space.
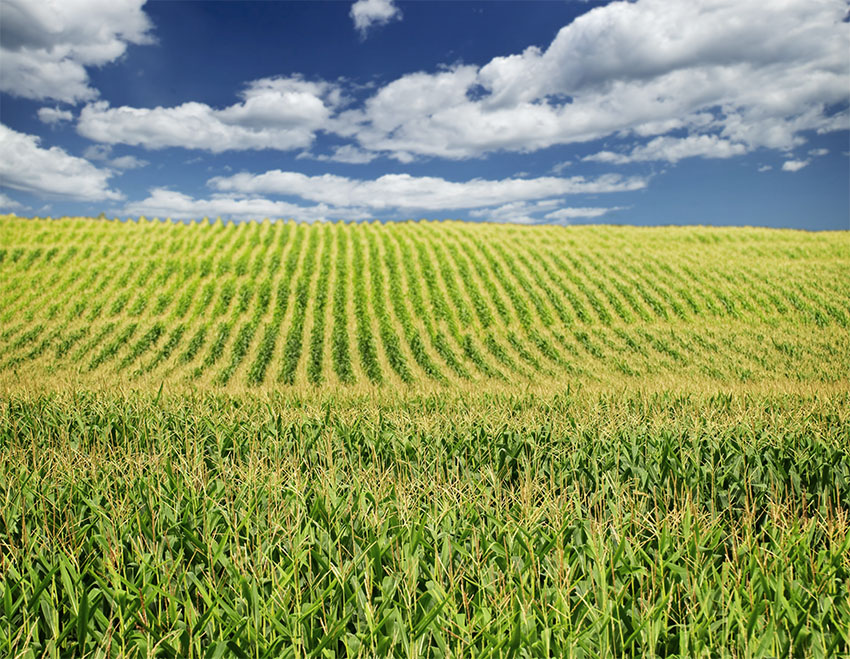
292,345
443,302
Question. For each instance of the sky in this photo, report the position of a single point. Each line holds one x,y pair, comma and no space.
650,112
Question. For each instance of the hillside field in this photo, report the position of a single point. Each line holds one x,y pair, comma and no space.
422,439
271,306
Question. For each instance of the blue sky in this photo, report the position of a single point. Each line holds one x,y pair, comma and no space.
724,112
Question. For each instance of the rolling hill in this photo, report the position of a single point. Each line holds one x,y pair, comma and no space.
416,304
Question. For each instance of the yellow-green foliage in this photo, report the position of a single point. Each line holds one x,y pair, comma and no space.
422,440
428,304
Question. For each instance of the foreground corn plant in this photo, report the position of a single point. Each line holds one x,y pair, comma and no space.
584,525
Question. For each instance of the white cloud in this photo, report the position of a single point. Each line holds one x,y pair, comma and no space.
517,212
176,205
7,203
765,168
703,120
54,116
46,46
729,76
352,155
163,203
275,113
347,153
27,166
366,13
794,165
673,149
97,152
426,192
566,214
103,152
838,121
128,162
328,197
522,212
756,73
818,152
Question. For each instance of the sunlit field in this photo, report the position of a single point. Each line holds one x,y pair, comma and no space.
298,308
422,439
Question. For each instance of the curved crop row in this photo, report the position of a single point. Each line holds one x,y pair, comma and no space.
389,338
408,303
257,370
363,329
339,336
246,333
397,299
320,302
292,347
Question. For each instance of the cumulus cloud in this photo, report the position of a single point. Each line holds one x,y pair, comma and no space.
765,168
163,202
53,116
330,197
517,212
103,152
754,73
46,46
128,162
368,13
728,76
8,204
168,203
27,166
404,191
97,152
523,212
347,153
794,165
673,149
275,113
567,214
818,152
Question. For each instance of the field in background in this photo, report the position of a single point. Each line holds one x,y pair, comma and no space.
429,304
422,440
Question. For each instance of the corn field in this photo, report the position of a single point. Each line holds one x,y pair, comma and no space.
429,439
261,306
